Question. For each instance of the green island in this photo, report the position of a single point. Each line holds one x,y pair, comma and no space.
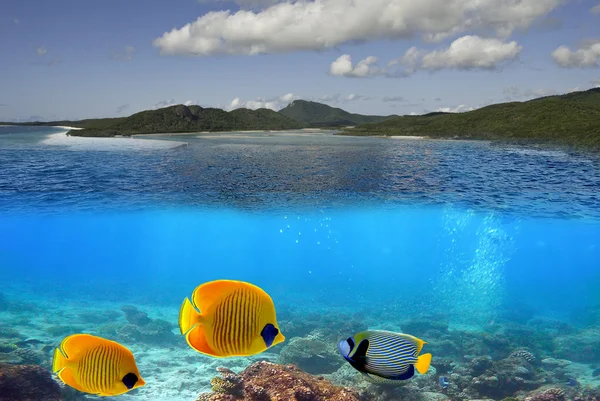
572,119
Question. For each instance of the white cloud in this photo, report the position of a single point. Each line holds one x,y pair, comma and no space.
323,24
596,82
595,9
467,52
471,52
458,109
337,98
16,21
587,55
364,68
41,51
125,55
274,103
171,102
247,4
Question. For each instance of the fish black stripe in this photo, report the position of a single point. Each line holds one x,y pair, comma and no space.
91,371
392,342
377,348
248,328
110,375
100,368
103,372
82,371
86,362
235,333
219,333
217,329
246,331
249,319
391,355
116,364
242,318
108,365
238,319
223,331
232,324
229,325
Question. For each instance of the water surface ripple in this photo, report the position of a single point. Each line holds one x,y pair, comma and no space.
307,171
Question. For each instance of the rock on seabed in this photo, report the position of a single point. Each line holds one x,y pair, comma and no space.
266,381
27,383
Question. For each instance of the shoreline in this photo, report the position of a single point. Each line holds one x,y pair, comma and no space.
67,127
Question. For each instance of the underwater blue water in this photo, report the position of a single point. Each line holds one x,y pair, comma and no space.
470,229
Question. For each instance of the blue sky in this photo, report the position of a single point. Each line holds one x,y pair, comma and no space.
79,59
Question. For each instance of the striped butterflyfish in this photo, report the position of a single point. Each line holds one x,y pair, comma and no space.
385,356
229,318
95,365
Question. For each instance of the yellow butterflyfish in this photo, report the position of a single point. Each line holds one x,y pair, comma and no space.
96,365
229,318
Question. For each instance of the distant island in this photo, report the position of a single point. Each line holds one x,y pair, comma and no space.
571,119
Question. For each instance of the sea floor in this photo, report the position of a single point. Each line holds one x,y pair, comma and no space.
476,359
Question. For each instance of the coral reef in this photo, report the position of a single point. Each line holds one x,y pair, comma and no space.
27,383
265,381
582,347
331,327
94,317
312,355
144,329
134,316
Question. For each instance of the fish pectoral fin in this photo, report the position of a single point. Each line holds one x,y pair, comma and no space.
59,362
189,317
423,363
66,375
213,292
196,338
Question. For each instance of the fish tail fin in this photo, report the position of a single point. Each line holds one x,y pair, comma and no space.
189,317
423,363
59,362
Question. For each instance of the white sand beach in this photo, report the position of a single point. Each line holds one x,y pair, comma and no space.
107,144
407,137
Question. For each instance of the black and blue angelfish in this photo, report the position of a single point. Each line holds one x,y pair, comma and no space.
444,382
385,356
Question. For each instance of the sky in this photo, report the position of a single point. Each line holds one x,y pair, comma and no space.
73,59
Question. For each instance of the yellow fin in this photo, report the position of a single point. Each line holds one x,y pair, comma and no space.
73,345
69,379
207,295
59,362
423,363
188,316
196,338
416,341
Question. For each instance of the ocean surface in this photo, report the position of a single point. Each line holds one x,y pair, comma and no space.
384,230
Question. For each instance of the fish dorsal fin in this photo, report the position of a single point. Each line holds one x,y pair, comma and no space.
74,345
416,341
208,295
